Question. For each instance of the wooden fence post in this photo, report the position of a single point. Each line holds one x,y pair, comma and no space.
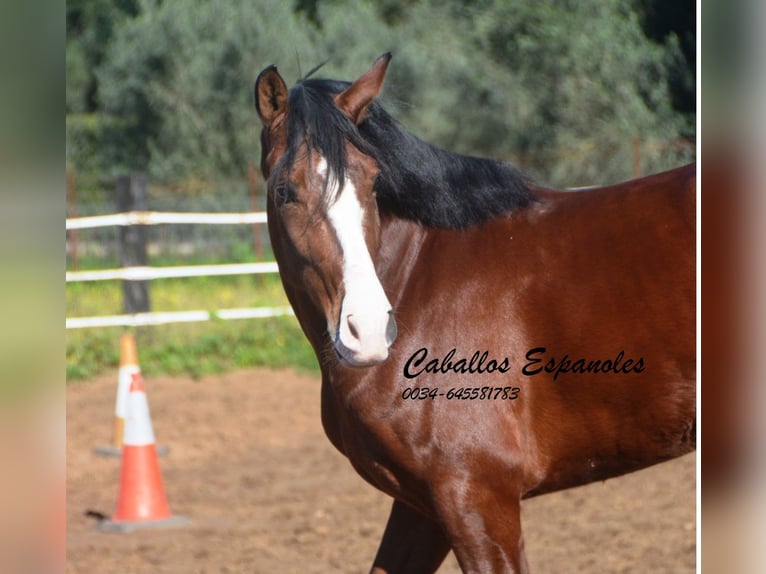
131,196
636,158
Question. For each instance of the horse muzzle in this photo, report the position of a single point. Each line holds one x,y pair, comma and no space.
364,338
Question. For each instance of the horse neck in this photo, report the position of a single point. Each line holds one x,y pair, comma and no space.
424,183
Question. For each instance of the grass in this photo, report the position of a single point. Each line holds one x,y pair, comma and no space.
190,349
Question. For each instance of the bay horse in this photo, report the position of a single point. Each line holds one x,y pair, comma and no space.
481,339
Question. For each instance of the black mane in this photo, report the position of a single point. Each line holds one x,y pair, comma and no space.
417,180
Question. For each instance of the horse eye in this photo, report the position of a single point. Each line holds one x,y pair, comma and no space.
285,193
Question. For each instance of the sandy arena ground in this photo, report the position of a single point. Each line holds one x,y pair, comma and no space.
267,493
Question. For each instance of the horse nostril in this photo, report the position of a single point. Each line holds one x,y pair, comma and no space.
352,326
391,330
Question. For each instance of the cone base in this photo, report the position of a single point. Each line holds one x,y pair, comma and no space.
111,451
131,525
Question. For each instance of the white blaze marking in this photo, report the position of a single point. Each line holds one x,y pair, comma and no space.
365,299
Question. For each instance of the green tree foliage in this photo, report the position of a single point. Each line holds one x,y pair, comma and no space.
591,83
561,87
90,26
673,25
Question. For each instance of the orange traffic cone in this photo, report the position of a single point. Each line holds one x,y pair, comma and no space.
142,502
128,367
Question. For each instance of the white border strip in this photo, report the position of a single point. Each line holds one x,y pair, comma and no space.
143,319
156,217
148,273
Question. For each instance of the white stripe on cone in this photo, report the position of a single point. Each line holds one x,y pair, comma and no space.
138,423
124,377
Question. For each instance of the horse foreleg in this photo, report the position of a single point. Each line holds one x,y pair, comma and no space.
411,543
484,529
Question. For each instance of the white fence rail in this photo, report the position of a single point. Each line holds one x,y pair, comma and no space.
148,273
158,217
163,318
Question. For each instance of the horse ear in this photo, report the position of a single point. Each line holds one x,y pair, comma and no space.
270,95
356,99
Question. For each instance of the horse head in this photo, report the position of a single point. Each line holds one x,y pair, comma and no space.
322,211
